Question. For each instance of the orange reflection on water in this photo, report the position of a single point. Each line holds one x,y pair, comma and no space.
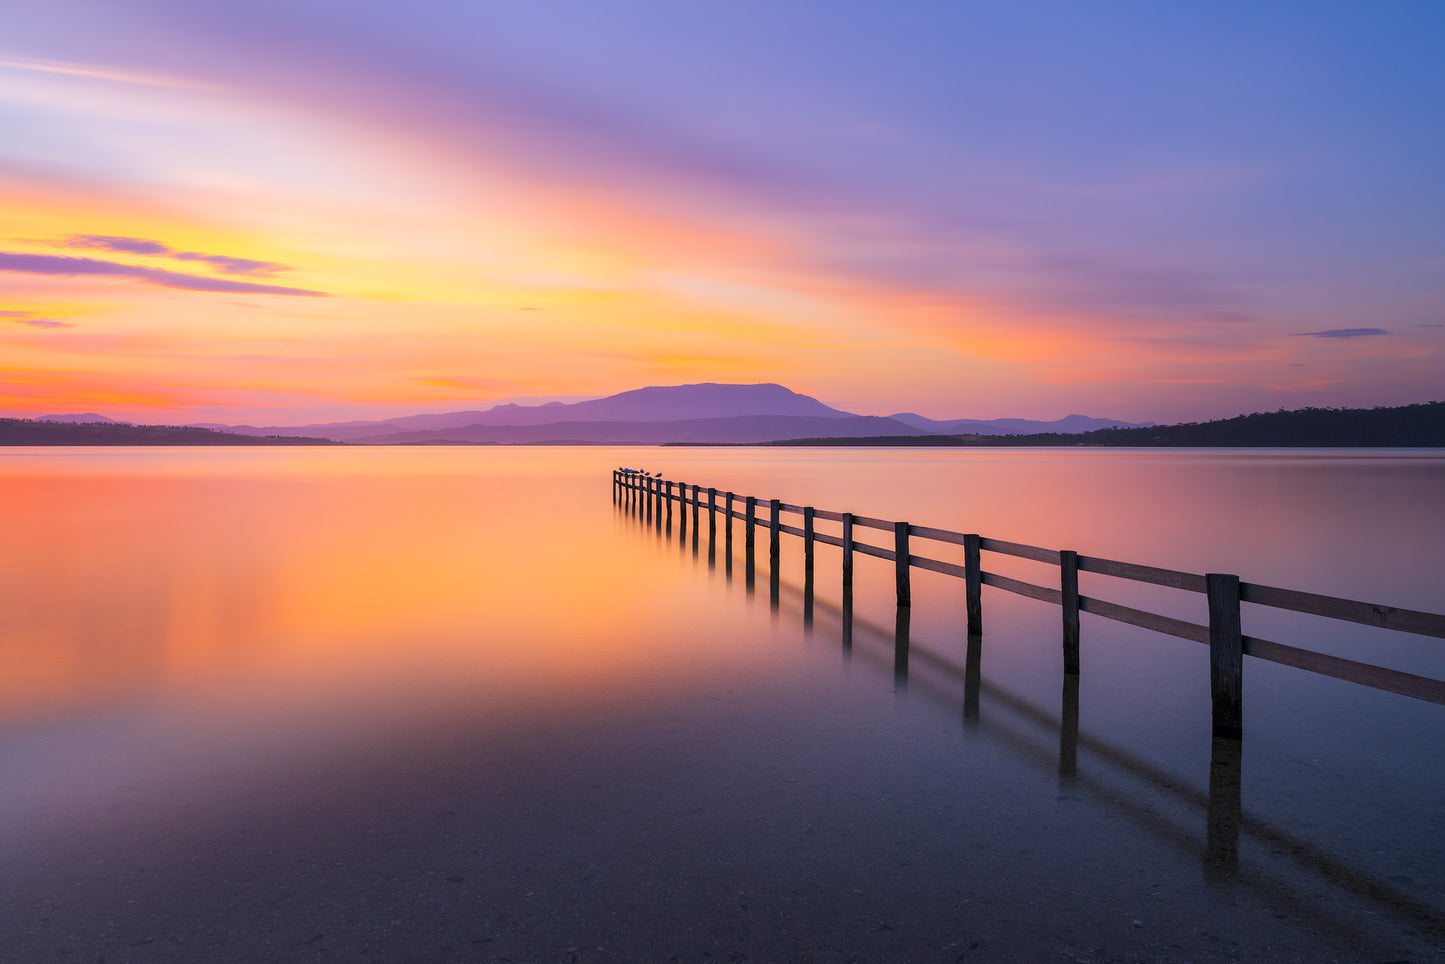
192,572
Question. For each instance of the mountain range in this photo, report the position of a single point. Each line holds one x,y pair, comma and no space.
707,412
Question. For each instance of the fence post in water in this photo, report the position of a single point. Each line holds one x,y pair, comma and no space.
694,510
711,514
728,523
776,507
808,540
649,493
668,496
848,555
1226,654
900,563
750,516
1069,590
973,583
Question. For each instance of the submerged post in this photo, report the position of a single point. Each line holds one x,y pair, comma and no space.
973,582
1069,590
649,487
694,510
900,564
848,555
728,523
669,505
711,514
1226,654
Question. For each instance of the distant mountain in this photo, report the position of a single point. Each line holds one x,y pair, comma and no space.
736,429
1013,426
25,431
671,403
85,418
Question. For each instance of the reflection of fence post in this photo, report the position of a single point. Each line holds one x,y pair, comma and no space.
1221,843
1069,734
900,564
1226,654
1069,590
848,555
972,678
973,582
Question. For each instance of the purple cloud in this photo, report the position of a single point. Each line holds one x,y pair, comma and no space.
110,242
49,264
1342,333
225,263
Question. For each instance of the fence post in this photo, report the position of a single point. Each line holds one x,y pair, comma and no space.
695,501
973,583
1226,654
711,514
1069,590
900,563
669,505
808,540
750,517
775,505
651,493
728,524
848,555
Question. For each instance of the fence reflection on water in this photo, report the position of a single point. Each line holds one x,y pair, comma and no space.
1210,824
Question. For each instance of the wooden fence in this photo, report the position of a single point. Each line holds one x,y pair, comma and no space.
1228,645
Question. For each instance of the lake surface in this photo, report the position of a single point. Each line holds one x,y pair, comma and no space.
457,704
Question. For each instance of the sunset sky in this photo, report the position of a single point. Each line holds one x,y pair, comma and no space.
284,211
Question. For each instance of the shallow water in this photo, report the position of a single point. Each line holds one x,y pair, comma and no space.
432,702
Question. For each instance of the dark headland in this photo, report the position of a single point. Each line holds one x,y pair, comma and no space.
1404,426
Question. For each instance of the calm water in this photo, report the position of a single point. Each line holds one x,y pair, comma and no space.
431,704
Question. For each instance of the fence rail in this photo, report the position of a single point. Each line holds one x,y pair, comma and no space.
1225,592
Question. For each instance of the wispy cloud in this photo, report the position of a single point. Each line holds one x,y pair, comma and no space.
98,72
1342,333
49,264
34,319
145,246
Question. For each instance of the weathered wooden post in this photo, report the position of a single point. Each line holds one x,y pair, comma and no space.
669,505
973,582
1069,590
695,501
750,517
728,525
1226,654
773,533
848,556
711,515
649,484
901,568
682,511
808,512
